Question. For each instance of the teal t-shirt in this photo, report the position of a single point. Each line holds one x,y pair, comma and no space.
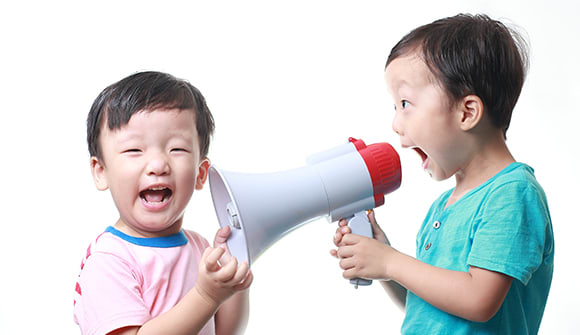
502,225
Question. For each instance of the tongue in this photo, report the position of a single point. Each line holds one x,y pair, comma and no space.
153,196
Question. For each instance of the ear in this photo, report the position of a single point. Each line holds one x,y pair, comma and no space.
470,112
202,173
98,171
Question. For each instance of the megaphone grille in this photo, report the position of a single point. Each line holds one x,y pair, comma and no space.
384,166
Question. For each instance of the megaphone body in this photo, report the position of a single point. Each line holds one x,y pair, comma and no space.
342,182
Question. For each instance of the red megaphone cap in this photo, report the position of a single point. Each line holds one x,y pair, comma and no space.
384,166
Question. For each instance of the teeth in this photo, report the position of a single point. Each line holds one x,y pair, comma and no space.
157,188
156,194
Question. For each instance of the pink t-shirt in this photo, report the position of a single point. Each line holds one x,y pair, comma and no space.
126,281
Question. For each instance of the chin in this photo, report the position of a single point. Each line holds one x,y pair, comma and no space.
438,175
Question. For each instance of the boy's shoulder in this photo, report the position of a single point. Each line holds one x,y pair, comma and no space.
107,244
518,176
196,240
516,171
515,189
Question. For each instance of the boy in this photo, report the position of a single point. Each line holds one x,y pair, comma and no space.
485,250
148,138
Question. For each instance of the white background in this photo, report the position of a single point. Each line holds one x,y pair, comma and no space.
284,80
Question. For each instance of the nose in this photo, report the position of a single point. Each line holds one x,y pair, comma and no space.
158,165
397,127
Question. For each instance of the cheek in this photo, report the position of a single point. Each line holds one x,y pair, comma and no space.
187,176
122,175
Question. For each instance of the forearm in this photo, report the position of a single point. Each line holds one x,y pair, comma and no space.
475,298
189,316
396,292
232,316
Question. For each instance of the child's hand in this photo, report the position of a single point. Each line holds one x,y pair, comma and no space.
343,229
219,276
363,257
216,281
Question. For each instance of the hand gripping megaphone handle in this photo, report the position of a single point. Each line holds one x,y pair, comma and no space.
359,224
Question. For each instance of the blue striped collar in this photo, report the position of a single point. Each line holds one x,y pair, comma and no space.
170,241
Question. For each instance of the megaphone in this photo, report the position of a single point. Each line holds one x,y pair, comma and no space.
343,182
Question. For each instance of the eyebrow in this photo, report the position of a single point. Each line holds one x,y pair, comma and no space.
400,84
128,137
403,82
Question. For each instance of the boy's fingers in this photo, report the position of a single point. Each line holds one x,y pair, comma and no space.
212,257
222,235
206,252
373,221
371,216
228,271
350,239
333,253
350,273
340,231
240,274
344,252
246,283
346,263
336,238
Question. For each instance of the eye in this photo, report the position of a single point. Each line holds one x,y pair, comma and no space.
134,150
179,150
404,104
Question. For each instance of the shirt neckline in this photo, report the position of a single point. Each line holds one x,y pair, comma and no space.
509,168
170,241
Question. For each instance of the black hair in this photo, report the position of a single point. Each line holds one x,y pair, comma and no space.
472,54
147,91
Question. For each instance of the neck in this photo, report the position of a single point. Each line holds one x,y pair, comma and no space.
491,155
135,231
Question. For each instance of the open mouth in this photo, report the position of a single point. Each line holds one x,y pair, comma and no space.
156,195
423,156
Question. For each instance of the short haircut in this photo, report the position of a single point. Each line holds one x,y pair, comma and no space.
147,91
472,54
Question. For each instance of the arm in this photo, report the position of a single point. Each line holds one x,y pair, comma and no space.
475,295
219,278
396,292
232,317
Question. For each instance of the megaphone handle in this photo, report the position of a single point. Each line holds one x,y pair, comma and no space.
359,224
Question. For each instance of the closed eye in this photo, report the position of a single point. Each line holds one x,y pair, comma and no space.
179,150
132,151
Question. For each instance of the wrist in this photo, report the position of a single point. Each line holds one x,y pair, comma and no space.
206,298
391,262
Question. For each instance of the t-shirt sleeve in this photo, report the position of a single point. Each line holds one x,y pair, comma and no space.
510,235
110,295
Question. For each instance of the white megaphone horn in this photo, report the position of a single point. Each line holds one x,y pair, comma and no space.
343,182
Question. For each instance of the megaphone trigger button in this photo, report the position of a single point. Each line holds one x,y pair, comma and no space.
236,222
233,217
